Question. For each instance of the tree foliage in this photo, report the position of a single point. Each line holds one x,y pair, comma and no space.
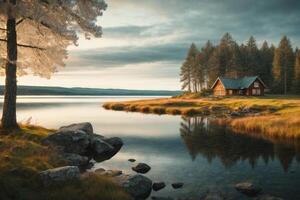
277,67
34,36
45,28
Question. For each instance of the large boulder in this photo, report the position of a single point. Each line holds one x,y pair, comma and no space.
138,186
80,139
116,142
85,127
70,140
60,174
102,148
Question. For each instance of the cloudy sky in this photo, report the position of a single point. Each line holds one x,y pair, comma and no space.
145,41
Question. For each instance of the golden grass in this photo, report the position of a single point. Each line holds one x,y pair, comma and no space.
279,115
23,155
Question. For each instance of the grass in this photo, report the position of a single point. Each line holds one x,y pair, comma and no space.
279,116
23,155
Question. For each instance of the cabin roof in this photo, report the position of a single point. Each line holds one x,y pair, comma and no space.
239,83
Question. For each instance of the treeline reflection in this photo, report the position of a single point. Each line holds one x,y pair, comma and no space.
202,136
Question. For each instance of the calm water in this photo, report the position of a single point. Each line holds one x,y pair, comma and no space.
194,151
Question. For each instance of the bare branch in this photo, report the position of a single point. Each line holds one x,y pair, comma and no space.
25,45
20,21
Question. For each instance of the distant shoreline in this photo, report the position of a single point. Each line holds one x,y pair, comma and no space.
78,91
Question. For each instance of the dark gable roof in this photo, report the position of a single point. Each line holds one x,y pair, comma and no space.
240,83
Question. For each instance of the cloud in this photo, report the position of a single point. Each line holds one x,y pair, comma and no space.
121,56
199,20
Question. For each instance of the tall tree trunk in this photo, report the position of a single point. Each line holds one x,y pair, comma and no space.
9,118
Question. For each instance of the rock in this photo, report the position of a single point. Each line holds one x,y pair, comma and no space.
75,159
267,197
116,142
248,189
80,139
60,174
131,160
70,141
177,185
102,148
138,186
158,186
214,196
85,127
141,168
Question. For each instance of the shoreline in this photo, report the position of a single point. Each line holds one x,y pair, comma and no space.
275,116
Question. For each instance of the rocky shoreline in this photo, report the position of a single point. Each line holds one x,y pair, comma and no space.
79,147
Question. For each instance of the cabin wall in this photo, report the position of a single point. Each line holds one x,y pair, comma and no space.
256,91
219,89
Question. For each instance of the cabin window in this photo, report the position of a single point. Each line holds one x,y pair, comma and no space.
230,92
240,92
256,84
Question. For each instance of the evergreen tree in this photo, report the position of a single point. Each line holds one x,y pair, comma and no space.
225,53
296,82
235,69
283,65
189,70
266,59
213,70
252,57
204,56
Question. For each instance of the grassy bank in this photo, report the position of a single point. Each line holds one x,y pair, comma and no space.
276,116
23,155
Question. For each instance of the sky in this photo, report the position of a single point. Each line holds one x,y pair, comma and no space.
145,41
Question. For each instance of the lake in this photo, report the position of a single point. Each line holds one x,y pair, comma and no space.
190,150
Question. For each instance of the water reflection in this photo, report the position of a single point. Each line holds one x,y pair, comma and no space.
201,136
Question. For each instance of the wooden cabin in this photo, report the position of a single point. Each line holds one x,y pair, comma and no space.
246,86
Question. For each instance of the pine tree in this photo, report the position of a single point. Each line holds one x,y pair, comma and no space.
204,56
185,75
189,70
195,67
296,81
252,57
213,71
266,59
235,69
283,65
225,53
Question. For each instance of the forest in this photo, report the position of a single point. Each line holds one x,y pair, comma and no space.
278,66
